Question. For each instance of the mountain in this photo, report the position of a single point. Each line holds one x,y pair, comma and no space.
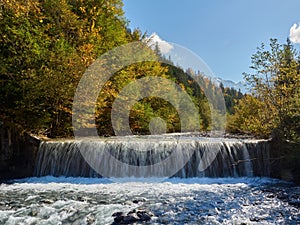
231,84
165,47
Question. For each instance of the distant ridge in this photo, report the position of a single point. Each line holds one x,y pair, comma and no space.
231,84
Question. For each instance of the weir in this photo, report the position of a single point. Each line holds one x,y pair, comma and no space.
195,157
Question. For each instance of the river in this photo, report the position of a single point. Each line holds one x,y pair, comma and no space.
214,181
52,200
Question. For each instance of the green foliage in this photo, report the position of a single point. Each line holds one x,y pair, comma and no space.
189,83
275,85
250,117
151,107
45,48
231,97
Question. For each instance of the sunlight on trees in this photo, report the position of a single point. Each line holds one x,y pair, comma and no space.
273,107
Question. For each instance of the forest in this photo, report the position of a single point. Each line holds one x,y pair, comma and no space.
46,46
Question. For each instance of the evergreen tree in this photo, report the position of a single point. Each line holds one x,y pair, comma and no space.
275,84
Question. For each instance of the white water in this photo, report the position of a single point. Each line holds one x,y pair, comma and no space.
75,200
153,156
52,200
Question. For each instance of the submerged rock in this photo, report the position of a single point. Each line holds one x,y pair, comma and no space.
132,217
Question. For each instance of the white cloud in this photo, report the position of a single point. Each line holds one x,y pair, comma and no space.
295,34
164,46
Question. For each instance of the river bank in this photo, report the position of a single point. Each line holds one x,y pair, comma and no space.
18,151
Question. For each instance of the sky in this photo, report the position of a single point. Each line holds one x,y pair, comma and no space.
224,33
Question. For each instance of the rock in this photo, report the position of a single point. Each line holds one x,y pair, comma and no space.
255,219
18,151
144,216
119,217
33,212
295,203
128,203
90,219
132,217
84,199
137,200
117,214
118,220
132,211
47,201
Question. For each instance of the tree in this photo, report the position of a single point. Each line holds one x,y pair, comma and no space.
250,117
275,84
45,47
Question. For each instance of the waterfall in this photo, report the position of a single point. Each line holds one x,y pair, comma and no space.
226,158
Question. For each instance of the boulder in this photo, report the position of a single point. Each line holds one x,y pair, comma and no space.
132,217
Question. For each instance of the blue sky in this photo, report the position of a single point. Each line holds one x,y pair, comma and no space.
224,33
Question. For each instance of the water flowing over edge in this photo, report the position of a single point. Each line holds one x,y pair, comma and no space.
197,157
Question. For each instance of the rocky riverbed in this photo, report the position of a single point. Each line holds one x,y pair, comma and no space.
50,200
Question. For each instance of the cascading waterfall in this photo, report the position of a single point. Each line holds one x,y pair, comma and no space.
234,157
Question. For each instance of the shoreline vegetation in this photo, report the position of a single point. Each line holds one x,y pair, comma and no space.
46,46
